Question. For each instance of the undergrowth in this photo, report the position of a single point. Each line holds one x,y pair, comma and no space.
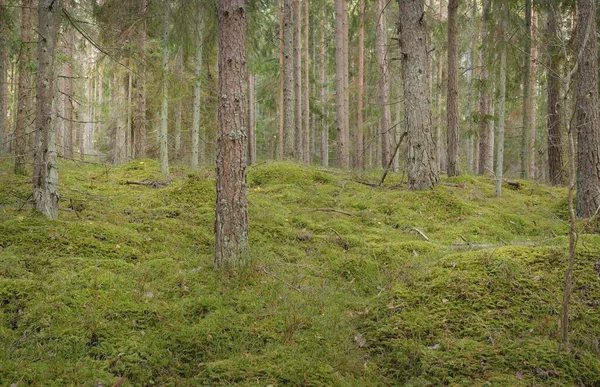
344,289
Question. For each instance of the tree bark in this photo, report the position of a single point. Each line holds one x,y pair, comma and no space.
23,88
341,79
251,121
486,128
524,154
384,84
298,149
306,134
164,109
178,103
453,138
140,137
3,80
289,96
281,84
501,101
556,171
198,150
45,172
586,111
533,93
324,104
360,138
231,220
421,163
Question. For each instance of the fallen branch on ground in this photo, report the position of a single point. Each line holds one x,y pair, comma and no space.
334,210
421,233
150,183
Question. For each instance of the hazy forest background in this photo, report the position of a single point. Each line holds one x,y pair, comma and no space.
304,192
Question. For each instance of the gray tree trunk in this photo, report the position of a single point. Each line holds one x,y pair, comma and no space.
556,169
384,84
421,163
360,146
280,106
198,150
289,96
178,103
231,220
251,120
3,83
486,128
324,103
306,134
524,155
341,80
452,131
45,171
164,108
140,137
298,152
533,94
501,101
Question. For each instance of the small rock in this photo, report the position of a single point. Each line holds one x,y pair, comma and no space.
360,340
435,346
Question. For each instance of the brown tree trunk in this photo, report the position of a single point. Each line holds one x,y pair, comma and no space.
24,116
289,95
533,90
45,170
3,80
306,134
421,163
384,84
341,79
198,148
501,101
360,138
178,103
586,112
164,108
324,104
486,129
231,220
298,150
140,137
556,170
527,99
281,81
453,164
251,121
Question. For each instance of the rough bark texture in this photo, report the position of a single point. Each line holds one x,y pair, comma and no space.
288,81
324,104
178,103
231,221
586,111
360,138
118,102
524,155
45,170
556,170
384,83
298,80
501,102
486,128
251,121
140,137
164,108
453,164
341,79
533,105
3,82
24,116
197,148
421,162
281,99
306,133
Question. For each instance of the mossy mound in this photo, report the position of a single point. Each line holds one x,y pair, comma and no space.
344,288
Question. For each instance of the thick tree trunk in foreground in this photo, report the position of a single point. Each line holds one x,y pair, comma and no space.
556,169
586,112
453,164
341,80
45,170
197,148
288,81
23,87
231,221
384,84
164,108
501,102
421,163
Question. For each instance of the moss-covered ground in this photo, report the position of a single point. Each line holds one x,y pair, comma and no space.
343,289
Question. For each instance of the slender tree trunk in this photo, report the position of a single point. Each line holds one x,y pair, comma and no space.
555,150
453,164
178,103
3,81
501,101
141,137
45,171
341,75
298,151
129,125
164,109
533,96
231,220
438,103
324,104
289,95
251,121
486,145
23,114
470,140
586,111
306,134
422,167
119,101
346,73
281,84
361,88
524,155
198,150
384,84
88,127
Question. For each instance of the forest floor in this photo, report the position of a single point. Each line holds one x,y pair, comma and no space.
344,288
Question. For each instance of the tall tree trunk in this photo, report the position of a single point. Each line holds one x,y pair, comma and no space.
346,73
501,102
524,155
118,101
421,163
556,172
178,103
88,126
486,144
231,220
341,79
586,111
384,84
533,94
141,137
438,104
164,108
24,99
324,103
3,80
306,134
198,150
361,88
251,120
281,84
45,171
470,140
298,152
453,164
289,95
